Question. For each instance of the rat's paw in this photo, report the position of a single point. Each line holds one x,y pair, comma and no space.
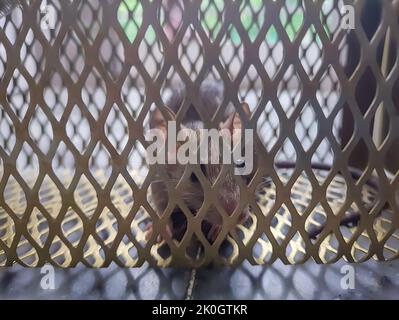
243,217
149,230
214,232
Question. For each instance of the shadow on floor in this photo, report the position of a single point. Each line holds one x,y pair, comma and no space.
373,280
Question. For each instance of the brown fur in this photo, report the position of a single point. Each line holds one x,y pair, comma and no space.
228,195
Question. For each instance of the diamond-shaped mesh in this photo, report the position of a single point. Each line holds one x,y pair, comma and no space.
75,101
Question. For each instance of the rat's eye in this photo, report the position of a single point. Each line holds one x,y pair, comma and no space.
240,163
193,178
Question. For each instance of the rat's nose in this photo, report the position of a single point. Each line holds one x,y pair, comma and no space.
228,204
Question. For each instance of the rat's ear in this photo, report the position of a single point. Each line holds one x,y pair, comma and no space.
245,108
229,123
158,121
170,114
234,120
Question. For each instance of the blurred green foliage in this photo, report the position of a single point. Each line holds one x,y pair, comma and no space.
130,16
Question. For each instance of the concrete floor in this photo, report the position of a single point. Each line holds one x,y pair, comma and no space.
374,280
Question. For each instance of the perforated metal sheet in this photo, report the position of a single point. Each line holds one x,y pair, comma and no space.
74,107
102,246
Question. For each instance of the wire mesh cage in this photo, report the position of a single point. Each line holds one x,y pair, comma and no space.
81,78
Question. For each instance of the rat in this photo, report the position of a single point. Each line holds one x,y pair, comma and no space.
228,194
211,95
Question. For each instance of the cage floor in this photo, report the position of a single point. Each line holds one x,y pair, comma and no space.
67,230
374,280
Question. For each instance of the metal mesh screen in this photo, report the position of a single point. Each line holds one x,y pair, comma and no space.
75,101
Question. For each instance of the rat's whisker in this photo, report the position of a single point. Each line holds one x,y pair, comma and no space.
157,181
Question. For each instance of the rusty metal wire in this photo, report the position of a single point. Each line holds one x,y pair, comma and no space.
74,106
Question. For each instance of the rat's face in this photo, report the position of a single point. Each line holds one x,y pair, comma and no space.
218,178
